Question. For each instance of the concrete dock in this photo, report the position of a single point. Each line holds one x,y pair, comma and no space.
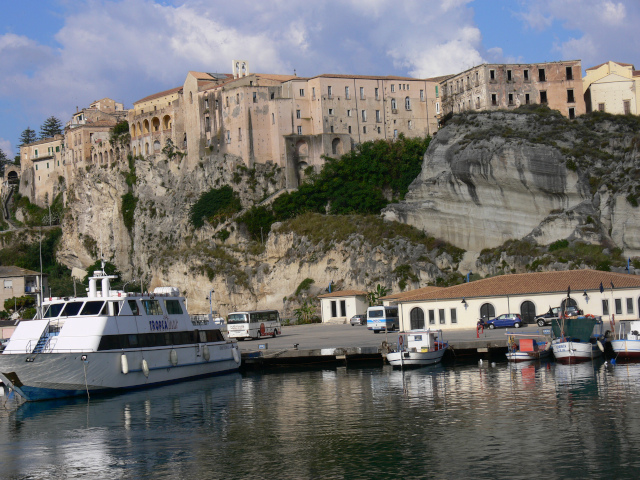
322,344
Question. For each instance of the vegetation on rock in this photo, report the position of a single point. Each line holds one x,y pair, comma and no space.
214,206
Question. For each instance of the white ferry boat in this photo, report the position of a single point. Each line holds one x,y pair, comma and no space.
112,340
627,344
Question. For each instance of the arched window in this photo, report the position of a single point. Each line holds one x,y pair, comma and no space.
407,103
155,122
393,104
145,126
528,311
487,311
146,148
166,122
417,318
156,145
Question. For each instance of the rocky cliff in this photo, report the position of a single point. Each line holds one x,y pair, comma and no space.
492,177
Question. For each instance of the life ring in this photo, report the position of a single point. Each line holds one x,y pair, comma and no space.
400,341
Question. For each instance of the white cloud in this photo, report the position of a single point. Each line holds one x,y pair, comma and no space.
599,30
5,146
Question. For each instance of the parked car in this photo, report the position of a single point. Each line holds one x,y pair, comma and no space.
358,320
554,313
505,320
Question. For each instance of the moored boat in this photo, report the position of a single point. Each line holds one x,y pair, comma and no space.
527,349
578,339
627,344
418,348
110,341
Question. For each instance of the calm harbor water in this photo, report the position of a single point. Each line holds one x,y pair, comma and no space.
462,421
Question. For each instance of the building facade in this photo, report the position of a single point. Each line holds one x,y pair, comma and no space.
614,296
18,282
613,88
507,86
339,307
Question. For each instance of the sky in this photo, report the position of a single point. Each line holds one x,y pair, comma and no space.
56,55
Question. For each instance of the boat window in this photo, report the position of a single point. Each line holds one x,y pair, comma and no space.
71,309
173,307
54,310
152,307
147,340
92,308
376,313
116,308
237,318
134,307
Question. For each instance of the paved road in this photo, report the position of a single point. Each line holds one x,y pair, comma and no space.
342,336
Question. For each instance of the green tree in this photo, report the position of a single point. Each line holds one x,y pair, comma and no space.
3,161
375,295
305,313
27,136
120,134
51,127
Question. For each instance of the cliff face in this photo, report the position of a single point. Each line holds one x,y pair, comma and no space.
489,178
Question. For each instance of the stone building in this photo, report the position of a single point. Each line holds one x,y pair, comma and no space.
505,86
284,119
87,134
612,87
41,166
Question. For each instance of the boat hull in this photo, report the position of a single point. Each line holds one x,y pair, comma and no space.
626,349
399,359
519,356
57,375
575,352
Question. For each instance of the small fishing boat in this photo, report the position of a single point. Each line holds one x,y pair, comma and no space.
627,344
577,339
110,341
527,349
418,348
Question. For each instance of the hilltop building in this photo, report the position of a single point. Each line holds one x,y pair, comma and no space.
507,86
612,87
41,165
288,120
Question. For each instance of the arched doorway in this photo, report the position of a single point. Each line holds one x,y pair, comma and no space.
528,311
569,302
487,311
417,318
336,147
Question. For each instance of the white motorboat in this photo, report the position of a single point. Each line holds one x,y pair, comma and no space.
578,339
527,349
418,347
627,344
112,340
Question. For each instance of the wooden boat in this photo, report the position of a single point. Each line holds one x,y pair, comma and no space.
527,349
578,339
418,348
626,345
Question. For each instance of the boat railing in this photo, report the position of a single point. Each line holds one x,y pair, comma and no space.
199,319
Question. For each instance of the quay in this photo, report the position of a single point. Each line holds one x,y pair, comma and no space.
326,344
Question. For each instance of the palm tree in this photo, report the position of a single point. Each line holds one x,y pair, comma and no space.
375,295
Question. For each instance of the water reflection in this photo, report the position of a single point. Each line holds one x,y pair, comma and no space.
455,421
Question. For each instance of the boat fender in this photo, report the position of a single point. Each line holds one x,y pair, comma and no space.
124,364
600,346
205,353
236,355
145,368
173,357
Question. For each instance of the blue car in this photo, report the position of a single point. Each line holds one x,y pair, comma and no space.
505,320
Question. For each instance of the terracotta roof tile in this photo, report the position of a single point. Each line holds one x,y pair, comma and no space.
343,293
532,283
619,63
11,271
159,94
410,293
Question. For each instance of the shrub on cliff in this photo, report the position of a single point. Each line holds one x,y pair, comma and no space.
215,205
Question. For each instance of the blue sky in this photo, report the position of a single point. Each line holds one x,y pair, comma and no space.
59,54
